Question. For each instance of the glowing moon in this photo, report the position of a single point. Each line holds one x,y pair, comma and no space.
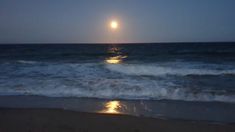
114,24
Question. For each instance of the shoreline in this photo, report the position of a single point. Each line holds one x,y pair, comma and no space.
40,119
173,110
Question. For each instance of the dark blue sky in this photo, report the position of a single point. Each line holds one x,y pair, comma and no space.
86,21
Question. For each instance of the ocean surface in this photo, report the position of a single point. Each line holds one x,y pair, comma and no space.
191,72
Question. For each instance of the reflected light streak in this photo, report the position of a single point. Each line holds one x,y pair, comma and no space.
116,57
115,60
112,107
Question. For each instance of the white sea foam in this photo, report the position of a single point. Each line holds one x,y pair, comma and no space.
95,81
158,70
27,62
106,88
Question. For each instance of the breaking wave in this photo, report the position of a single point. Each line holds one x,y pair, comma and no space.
100,80
27,62
108,89
174,69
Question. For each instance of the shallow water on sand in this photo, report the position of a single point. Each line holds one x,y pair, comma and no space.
198,111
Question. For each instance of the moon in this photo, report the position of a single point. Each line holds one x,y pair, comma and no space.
114,24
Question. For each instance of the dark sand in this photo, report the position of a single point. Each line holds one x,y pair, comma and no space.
55,120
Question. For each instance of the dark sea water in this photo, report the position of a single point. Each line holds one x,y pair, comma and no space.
191,72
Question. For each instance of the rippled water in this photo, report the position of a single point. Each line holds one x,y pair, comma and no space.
189,72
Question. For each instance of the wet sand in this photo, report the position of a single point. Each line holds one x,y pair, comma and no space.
58,120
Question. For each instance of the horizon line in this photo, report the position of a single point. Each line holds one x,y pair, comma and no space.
119,43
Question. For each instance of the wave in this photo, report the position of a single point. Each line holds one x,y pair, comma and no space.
100,80
173,69
109,89
27,62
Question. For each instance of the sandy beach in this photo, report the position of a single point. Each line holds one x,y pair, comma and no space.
57,120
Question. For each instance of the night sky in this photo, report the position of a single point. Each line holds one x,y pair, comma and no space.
86,21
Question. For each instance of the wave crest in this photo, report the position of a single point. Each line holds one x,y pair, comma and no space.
109,89
97,80
158,70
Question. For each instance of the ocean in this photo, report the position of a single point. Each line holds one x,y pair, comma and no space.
186,75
